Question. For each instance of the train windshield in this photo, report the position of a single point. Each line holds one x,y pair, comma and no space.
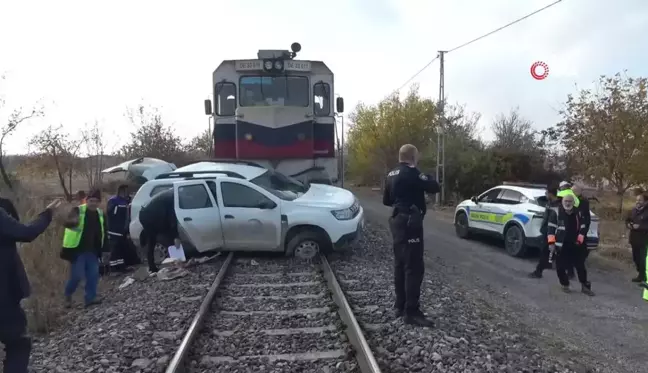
274,91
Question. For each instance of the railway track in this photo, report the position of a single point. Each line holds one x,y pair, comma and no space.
276,316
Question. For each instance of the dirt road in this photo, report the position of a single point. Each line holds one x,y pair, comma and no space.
609,331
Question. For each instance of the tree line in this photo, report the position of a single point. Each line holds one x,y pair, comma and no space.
602,139
56,152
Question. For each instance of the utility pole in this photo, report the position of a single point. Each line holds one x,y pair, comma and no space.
440,171
342,150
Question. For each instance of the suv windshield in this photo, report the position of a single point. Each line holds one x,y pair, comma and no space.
282,186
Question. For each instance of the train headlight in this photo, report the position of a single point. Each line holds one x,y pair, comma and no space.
267,65
278,65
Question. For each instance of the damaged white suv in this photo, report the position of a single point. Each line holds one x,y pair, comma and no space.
241,206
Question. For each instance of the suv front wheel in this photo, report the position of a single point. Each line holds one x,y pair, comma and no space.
307,245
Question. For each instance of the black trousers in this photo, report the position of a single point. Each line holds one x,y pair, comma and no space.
13,335
543,261
639,258
571,256
571,270
153,237
122,252
407,234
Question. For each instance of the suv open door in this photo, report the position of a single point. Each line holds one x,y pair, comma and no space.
198,214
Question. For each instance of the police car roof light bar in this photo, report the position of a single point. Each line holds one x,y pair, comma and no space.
525,185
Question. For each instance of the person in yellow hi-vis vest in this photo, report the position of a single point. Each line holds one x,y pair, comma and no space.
566,189
83,242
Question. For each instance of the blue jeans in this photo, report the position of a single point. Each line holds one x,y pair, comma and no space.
85,265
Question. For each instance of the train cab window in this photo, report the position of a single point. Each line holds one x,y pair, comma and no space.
225,93
321,100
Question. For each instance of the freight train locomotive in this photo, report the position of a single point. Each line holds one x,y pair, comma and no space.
278,112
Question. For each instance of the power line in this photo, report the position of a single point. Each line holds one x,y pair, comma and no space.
417,73
477,39
505,26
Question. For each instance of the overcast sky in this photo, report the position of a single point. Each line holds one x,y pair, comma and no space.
90,60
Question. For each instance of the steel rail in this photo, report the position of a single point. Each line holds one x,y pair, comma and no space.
177,363
366,359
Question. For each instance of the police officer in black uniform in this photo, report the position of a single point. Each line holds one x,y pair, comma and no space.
404,190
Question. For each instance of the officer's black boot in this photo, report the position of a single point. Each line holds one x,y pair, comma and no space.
586,288
535,274
417,318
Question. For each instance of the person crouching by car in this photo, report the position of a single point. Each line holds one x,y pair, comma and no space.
83,242
637,223
566,233
160,225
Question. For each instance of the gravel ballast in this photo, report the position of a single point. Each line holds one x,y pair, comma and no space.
139,328
136,329
273,315
469,335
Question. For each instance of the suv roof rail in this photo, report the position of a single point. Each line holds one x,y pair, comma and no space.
235,161
525,185
193,174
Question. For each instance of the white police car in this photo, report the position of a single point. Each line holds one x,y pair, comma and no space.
241,206
512,211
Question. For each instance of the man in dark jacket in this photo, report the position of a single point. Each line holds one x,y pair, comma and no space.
159,222
637,223
544,260
14,286
122,253
565,236
9,207
584,209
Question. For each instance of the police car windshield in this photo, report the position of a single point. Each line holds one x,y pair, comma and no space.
274,91
282,186
540,201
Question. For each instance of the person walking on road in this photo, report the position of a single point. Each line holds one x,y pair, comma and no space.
405,189
565,235
544,260
637,223
584,209
160,224
14,286
84,241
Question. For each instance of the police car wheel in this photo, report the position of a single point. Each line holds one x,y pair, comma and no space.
461,225
514,241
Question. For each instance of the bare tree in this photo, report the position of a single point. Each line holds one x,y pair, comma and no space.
57,149
94,146
202,143
151,137
513,132
14,120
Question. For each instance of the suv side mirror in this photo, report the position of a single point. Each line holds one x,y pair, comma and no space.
474,199
208,107
267,205
339,105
